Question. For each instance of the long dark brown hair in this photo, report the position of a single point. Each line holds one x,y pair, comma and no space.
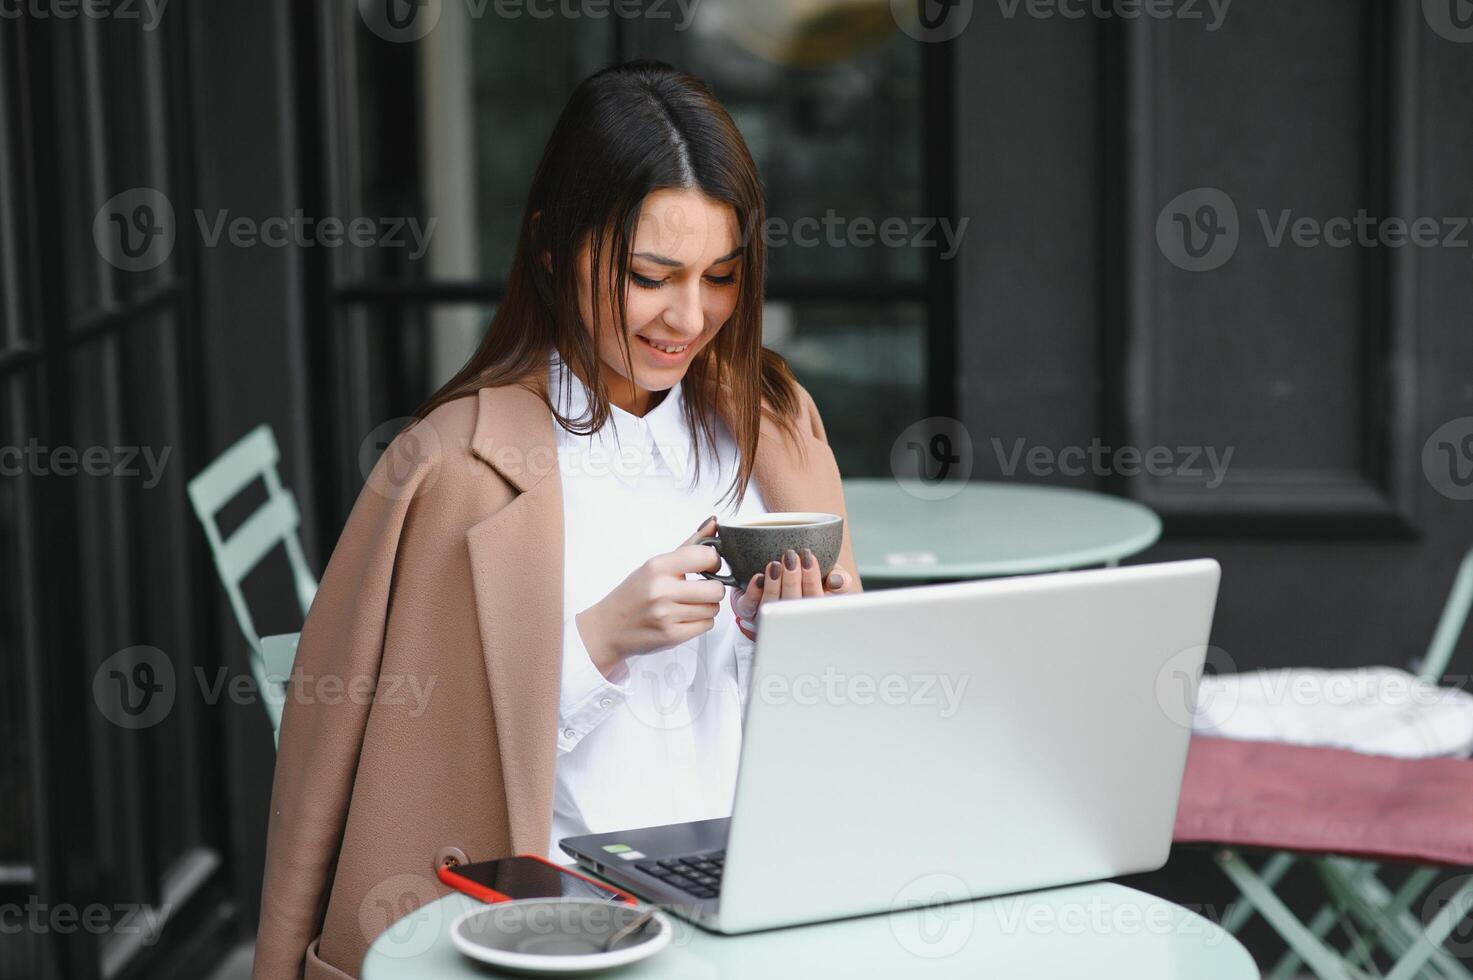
627,131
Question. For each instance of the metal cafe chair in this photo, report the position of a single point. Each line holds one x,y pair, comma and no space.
273,523
1371,913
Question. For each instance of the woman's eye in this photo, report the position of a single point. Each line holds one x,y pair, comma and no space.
725,280
644,282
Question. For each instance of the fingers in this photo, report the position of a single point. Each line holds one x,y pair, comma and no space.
681,632
811,579
745,602
689,612
772,582
688,558
706,530
792,575
837,581
695,591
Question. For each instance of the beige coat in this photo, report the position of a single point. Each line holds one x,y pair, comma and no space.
421,719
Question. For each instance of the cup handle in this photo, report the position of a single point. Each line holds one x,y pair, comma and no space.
727,580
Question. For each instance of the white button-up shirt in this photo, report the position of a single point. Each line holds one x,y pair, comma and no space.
661,744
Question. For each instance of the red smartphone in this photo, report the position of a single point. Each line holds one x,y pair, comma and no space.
527,876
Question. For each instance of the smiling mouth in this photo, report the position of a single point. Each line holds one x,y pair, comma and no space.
667,348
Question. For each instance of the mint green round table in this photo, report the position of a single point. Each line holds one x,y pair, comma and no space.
986,529
1102,931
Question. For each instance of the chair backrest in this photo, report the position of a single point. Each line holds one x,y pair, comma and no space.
274,522
1450,625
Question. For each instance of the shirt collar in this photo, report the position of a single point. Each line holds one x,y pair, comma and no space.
664,426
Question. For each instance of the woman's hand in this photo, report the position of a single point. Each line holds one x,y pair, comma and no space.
795,577
655,607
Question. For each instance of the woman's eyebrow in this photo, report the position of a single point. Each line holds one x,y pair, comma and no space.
666,260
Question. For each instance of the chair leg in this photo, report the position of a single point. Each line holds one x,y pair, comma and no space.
1324,961
1324,920
1429,942
1396,929
1273,870
1287,968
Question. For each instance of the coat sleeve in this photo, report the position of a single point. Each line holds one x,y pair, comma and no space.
321,738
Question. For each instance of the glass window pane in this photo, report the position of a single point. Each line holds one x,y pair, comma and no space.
864,367
831,111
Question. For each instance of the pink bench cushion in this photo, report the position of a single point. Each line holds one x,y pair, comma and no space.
1332,801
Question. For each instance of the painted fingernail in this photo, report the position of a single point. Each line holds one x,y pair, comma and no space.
836,580
706,523
808,560
790,559
758,581
774,570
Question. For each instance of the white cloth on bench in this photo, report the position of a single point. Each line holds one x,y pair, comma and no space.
1374,710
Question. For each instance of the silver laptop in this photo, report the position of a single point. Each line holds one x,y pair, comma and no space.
944,742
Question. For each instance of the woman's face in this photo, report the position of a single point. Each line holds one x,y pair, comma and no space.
683,285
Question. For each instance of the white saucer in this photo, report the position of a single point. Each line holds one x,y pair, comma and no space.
556,936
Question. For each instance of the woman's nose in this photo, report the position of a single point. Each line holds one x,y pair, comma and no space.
684,312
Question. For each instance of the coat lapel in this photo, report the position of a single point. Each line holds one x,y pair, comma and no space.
517,570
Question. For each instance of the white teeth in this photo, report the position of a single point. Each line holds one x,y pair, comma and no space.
667,350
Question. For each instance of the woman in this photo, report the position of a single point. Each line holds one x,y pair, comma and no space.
511,642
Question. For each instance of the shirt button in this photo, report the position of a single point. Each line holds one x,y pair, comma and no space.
569,733
606,702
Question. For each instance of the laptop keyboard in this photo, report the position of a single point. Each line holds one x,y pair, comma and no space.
699,874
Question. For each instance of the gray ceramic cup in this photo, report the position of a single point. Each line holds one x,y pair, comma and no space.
749,544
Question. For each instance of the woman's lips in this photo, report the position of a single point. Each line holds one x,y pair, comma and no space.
674,355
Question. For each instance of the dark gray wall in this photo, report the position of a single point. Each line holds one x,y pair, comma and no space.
1324,369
